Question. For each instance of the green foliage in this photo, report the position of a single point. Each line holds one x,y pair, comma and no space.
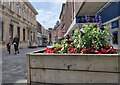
90,37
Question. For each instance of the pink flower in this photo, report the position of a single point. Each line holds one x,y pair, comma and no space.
97,52
69,52
81,53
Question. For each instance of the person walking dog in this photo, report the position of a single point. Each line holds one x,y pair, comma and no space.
16,44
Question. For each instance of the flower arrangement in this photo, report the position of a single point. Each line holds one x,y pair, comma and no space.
89,39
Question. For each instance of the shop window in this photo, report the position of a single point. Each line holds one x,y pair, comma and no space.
23,34
115,37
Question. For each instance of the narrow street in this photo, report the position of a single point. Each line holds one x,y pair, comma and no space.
14,66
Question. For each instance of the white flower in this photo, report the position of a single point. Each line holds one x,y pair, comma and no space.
62,49
75,40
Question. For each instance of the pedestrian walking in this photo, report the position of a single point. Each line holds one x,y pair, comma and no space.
16,44
8,46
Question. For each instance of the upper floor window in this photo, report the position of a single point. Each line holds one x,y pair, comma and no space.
18,7
10,4
1,2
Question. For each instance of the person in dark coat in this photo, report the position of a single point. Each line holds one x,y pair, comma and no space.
16,44
8,45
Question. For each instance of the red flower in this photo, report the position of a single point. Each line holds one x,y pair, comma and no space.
112,50
67,37
83,50
104,51
71,44
68,41
57,49
107,47
49,50
72,50
89,49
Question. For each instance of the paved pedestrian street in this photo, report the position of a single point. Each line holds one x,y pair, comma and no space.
14,66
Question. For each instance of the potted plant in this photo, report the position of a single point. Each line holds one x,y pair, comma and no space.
88,40
84,57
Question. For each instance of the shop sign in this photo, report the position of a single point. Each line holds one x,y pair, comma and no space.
86,19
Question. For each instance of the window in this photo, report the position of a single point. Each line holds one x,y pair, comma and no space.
18,32
115,37
10,4
115,24
1,31
28,34
18,7
11,32
23,34
1,2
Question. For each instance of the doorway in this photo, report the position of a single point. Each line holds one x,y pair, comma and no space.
18,32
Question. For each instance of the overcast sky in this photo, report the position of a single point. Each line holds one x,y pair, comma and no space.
48,10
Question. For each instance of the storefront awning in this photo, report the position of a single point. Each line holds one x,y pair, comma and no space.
90,8
87,8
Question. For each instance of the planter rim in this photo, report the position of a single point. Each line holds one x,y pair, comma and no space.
72,54
51,54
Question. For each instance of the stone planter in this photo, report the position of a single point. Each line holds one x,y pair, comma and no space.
72,68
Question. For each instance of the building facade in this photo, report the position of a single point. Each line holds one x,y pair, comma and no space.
109,12
42,35
18,18
111,18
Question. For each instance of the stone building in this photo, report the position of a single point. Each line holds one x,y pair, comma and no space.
18,18
42,35
66,17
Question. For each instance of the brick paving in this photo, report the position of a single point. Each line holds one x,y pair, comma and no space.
14,66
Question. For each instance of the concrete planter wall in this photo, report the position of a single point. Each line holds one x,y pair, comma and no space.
72,68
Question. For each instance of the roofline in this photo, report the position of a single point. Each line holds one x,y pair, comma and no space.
63,5
31,7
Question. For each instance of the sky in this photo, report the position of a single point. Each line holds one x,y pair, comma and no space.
49,11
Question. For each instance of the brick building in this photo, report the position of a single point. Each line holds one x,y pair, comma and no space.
18,18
